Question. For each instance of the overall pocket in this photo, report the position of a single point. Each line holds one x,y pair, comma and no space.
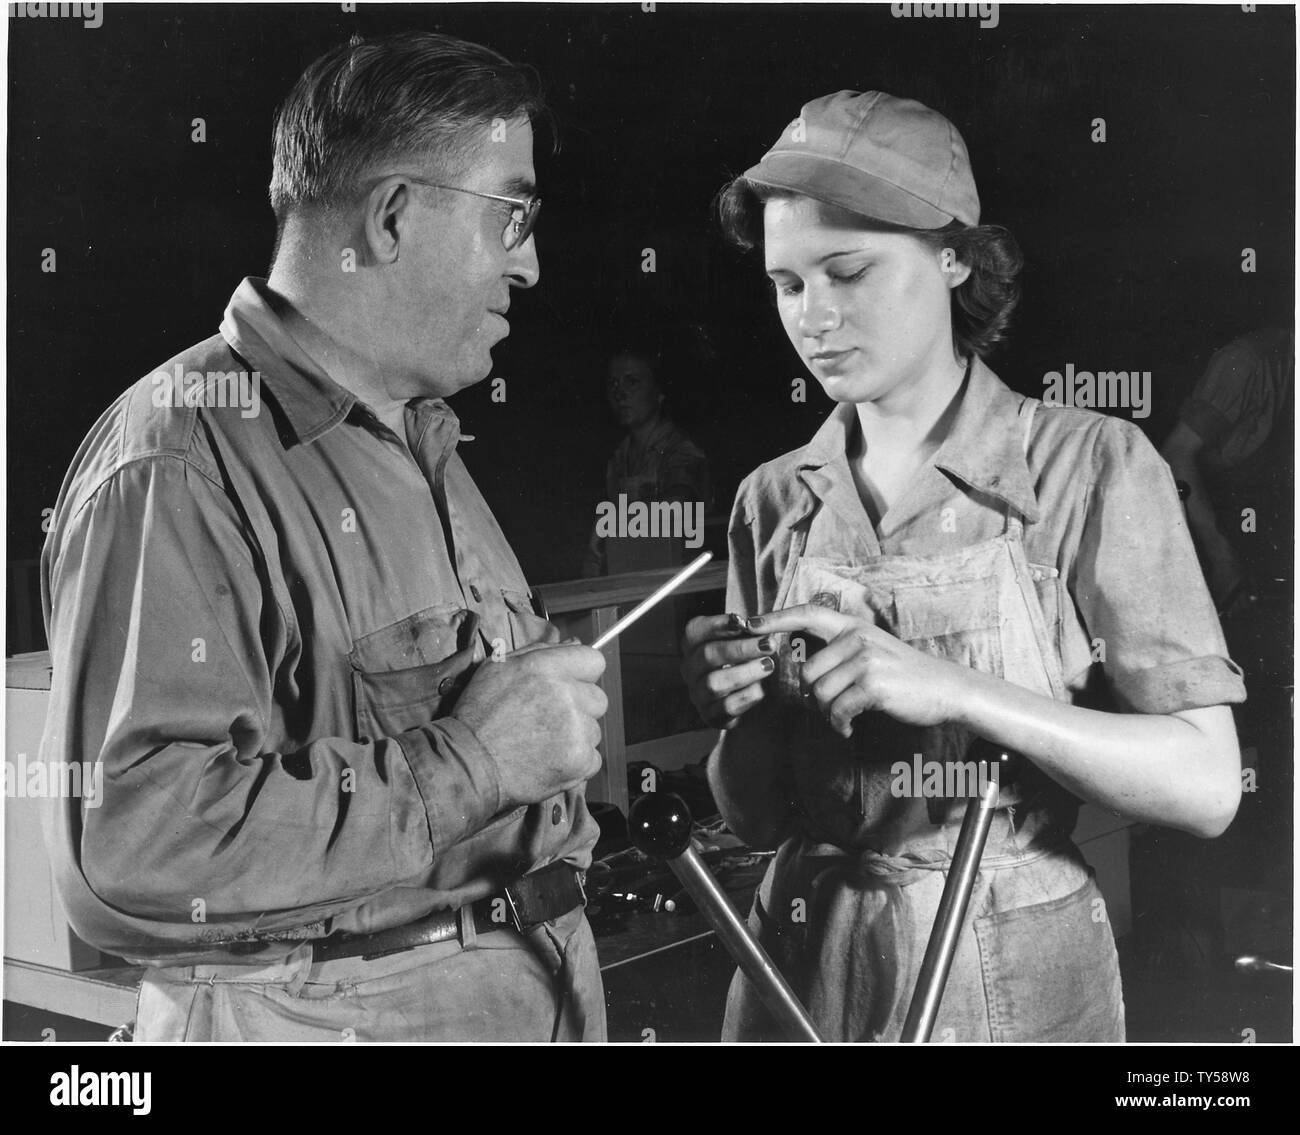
959,621
1051,972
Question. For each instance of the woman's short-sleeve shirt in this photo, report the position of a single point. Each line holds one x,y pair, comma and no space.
1113,562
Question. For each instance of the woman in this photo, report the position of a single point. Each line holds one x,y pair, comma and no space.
656,461
945,561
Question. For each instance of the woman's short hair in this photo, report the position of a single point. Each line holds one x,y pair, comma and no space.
370,102
981,305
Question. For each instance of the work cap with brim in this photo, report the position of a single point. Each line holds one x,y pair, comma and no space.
883,157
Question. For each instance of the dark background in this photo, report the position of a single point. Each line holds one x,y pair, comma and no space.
1133,247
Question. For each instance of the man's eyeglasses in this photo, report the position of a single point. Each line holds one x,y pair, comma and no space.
523,217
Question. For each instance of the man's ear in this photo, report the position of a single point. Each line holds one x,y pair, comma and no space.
955,273
385,220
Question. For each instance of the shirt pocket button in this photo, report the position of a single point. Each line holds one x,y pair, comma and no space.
557,814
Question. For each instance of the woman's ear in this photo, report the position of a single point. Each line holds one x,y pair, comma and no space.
955,273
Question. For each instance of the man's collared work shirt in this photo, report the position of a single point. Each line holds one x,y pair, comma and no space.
258,624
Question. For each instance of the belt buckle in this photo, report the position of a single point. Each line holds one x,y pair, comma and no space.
544,895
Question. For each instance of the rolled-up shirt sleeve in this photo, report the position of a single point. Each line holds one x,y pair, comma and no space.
742,590
1139,588
170,653
1225,395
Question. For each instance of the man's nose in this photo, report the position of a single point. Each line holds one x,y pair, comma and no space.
524,269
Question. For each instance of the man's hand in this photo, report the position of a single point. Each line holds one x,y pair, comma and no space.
536,712
723,666
863,667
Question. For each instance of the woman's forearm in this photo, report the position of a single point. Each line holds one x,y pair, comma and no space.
746,774
1180,770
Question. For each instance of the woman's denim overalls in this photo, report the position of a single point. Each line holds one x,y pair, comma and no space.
846,907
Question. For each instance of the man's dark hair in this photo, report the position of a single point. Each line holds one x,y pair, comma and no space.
981,305
368,103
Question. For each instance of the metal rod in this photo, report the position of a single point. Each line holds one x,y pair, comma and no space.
651,599
771,985
951,915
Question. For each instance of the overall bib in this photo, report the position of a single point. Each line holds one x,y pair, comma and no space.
847,904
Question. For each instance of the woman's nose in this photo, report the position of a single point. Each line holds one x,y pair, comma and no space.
817,315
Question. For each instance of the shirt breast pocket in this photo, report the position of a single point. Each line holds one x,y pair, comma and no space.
406,674
526,626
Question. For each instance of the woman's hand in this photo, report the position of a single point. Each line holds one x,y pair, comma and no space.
864,668
1179,769
723,666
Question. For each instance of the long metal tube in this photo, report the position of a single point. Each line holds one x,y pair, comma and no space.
951,915
772,987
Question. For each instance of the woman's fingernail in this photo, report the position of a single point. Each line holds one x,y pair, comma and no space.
767,665
754,623
765,644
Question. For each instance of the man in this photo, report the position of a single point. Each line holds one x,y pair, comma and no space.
1233,451
343,759
1233,447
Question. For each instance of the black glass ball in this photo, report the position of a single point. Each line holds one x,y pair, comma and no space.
660,824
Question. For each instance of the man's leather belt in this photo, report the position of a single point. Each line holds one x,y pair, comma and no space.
536,898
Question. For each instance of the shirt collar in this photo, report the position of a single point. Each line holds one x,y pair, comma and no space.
663,435
313,403
984,448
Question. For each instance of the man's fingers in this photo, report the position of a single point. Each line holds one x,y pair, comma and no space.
581,662
534,647
810,617
590,699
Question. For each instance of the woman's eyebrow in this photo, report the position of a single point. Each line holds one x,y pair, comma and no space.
822,260
842,252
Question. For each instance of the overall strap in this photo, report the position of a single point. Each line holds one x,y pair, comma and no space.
1015,526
